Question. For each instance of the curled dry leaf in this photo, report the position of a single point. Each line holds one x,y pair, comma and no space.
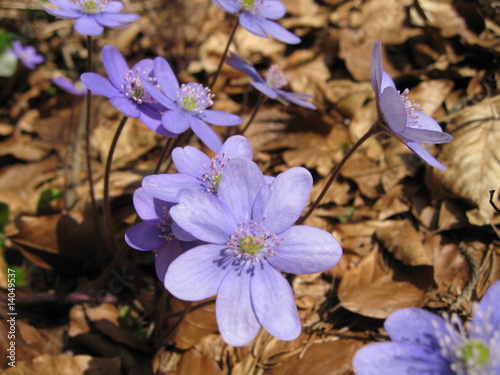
378,286
473,157
193,362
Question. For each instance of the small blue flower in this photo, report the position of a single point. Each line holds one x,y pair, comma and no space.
155,232
125,89
256,16
250,239
196,169
187,105
398,116
271,86
27,55
425,343
92,15
74,88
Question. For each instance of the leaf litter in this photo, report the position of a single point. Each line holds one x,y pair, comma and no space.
412,236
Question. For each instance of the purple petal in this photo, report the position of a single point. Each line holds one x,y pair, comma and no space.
240,183
168,186
279,32
63,13
166,78
237,322
424,154
115,66
165,255
289,193
205,133
296,98
220,118
70,87
157,94
272,9
99,85
230,6
87,25
204,216
195,275
144,204
144,236
425,136
238,63
252,23
176,120
181,234
274,303
415,326
152,119
486,314
114,6
265,89
390,358
65,4
393,110
425,121
237,145
125,105
189,160
116,20
305,250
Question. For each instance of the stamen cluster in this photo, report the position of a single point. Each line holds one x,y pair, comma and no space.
213,174
92,6
412,118
275,78
251,242
134,88
165,225
194,97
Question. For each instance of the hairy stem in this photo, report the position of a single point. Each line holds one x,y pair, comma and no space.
336,169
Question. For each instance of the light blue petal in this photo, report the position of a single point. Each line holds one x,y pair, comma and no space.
114,6
393,110
274,303
165,256
265,89
279,32
99,85
144,205
144,236
272,9
238,63
237,145
424,154
191,161
425,136
168,186
166,78
252,23
115,65
305,250
175,121
376,68
220,118
125,105
486,315
205,133
88,25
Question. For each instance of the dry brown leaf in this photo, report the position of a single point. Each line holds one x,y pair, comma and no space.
402,240
392,203
196,324
377,287
365,173
332,358
25,148
472,158
193,362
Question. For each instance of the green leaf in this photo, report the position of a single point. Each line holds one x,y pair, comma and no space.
47,196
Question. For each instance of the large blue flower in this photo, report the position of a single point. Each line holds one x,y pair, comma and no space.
125,89
155,232
196,169
397,115
425,343
271,86
248,228
187,105
92,15
256,16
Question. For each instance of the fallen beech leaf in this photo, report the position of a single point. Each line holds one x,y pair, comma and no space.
365,173
472,156
402,240
377,287
193,362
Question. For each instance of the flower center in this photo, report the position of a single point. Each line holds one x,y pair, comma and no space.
134,88
194,98
475,354
251,242
165,225
212,176
412,110
275,78
92,6
247,5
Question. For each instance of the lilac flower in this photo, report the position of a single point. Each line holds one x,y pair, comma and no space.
125,89
400,117
196,169
92,15
74,88
425,343
255,16
155,232
271,86
187,106
248,228
27,55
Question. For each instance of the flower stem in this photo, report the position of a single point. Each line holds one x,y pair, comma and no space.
231,37
167,149
88,157
336,169
261,99
106,209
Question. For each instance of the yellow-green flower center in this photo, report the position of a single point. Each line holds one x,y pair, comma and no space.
247,4
252,245
475,352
